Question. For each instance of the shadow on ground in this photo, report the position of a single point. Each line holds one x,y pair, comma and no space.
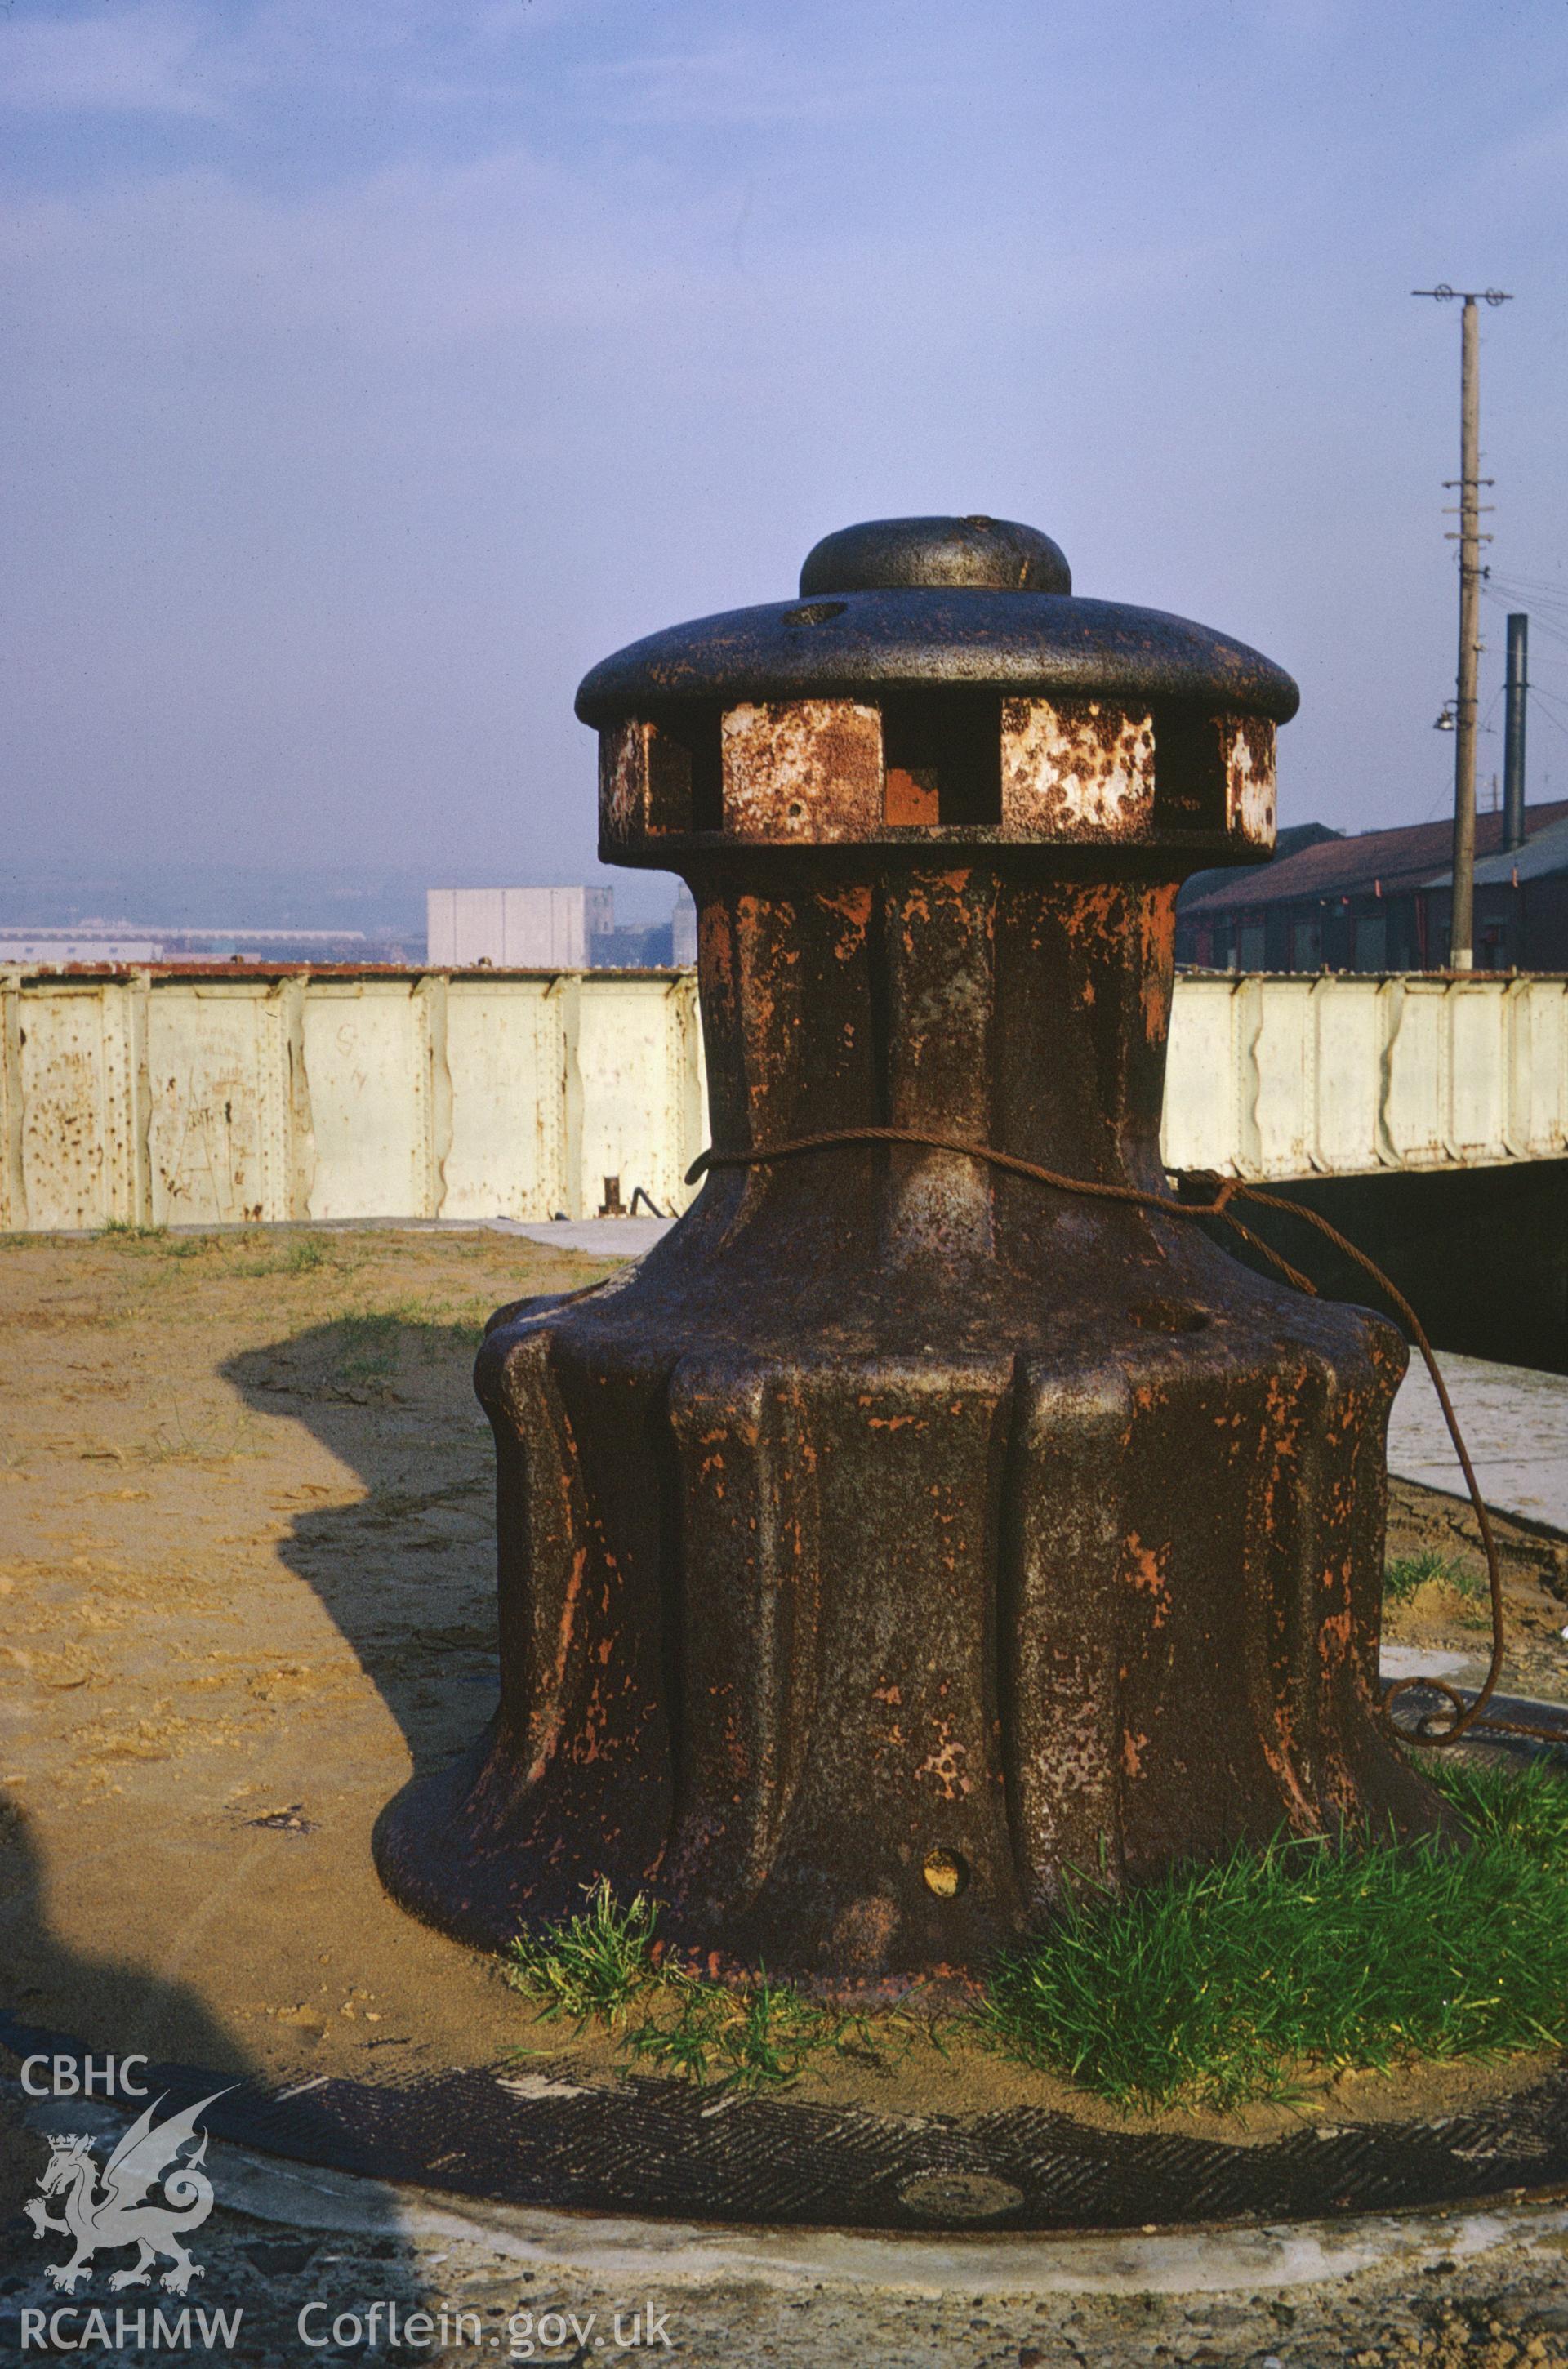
62,2005
408,1572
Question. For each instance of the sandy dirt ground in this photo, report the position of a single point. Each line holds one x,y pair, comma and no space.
247,1589
1456,1620
246,1564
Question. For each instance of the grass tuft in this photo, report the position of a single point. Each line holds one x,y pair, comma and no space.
295,1254
1406,1573
596,1966
761,2036
1526,1809
365,1346
592,1966
1216,1985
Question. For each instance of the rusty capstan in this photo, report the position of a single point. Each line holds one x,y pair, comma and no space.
900,1533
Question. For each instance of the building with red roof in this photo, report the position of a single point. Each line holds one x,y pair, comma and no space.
1379,901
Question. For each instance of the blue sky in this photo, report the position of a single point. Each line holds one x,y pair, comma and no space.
376,368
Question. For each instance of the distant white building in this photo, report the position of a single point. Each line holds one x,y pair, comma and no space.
684,928
516,929
36,947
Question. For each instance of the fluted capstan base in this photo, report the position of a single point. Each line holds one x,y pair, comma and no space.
900,1535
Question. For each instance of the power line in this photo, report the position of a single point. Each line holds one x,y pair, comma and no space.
1501,586
1556,722
1553,586
1554,631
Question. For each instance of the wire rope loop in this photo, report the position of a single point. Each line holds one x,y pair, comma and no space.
1221,1192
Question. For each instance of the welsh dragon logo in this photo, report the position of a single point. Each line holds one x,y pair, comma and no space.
118,2213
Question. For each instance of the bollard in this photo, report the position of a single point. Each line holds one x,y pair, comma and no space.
900,1535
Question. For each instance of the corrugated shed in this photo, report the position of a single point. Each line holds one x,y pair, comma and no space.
1415,857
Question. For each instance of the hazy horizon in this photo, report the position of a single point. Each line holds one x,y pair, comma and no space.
374,375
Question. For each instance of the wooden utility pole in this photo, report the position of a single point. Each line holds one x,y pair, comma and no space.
1462,927
1461,923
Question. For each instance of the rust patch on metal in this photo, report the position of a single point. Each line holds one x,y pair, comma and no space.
645,785
1249,778
849,913
1147,1571
622,784
910,796
1157,932
802,771
1076,770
